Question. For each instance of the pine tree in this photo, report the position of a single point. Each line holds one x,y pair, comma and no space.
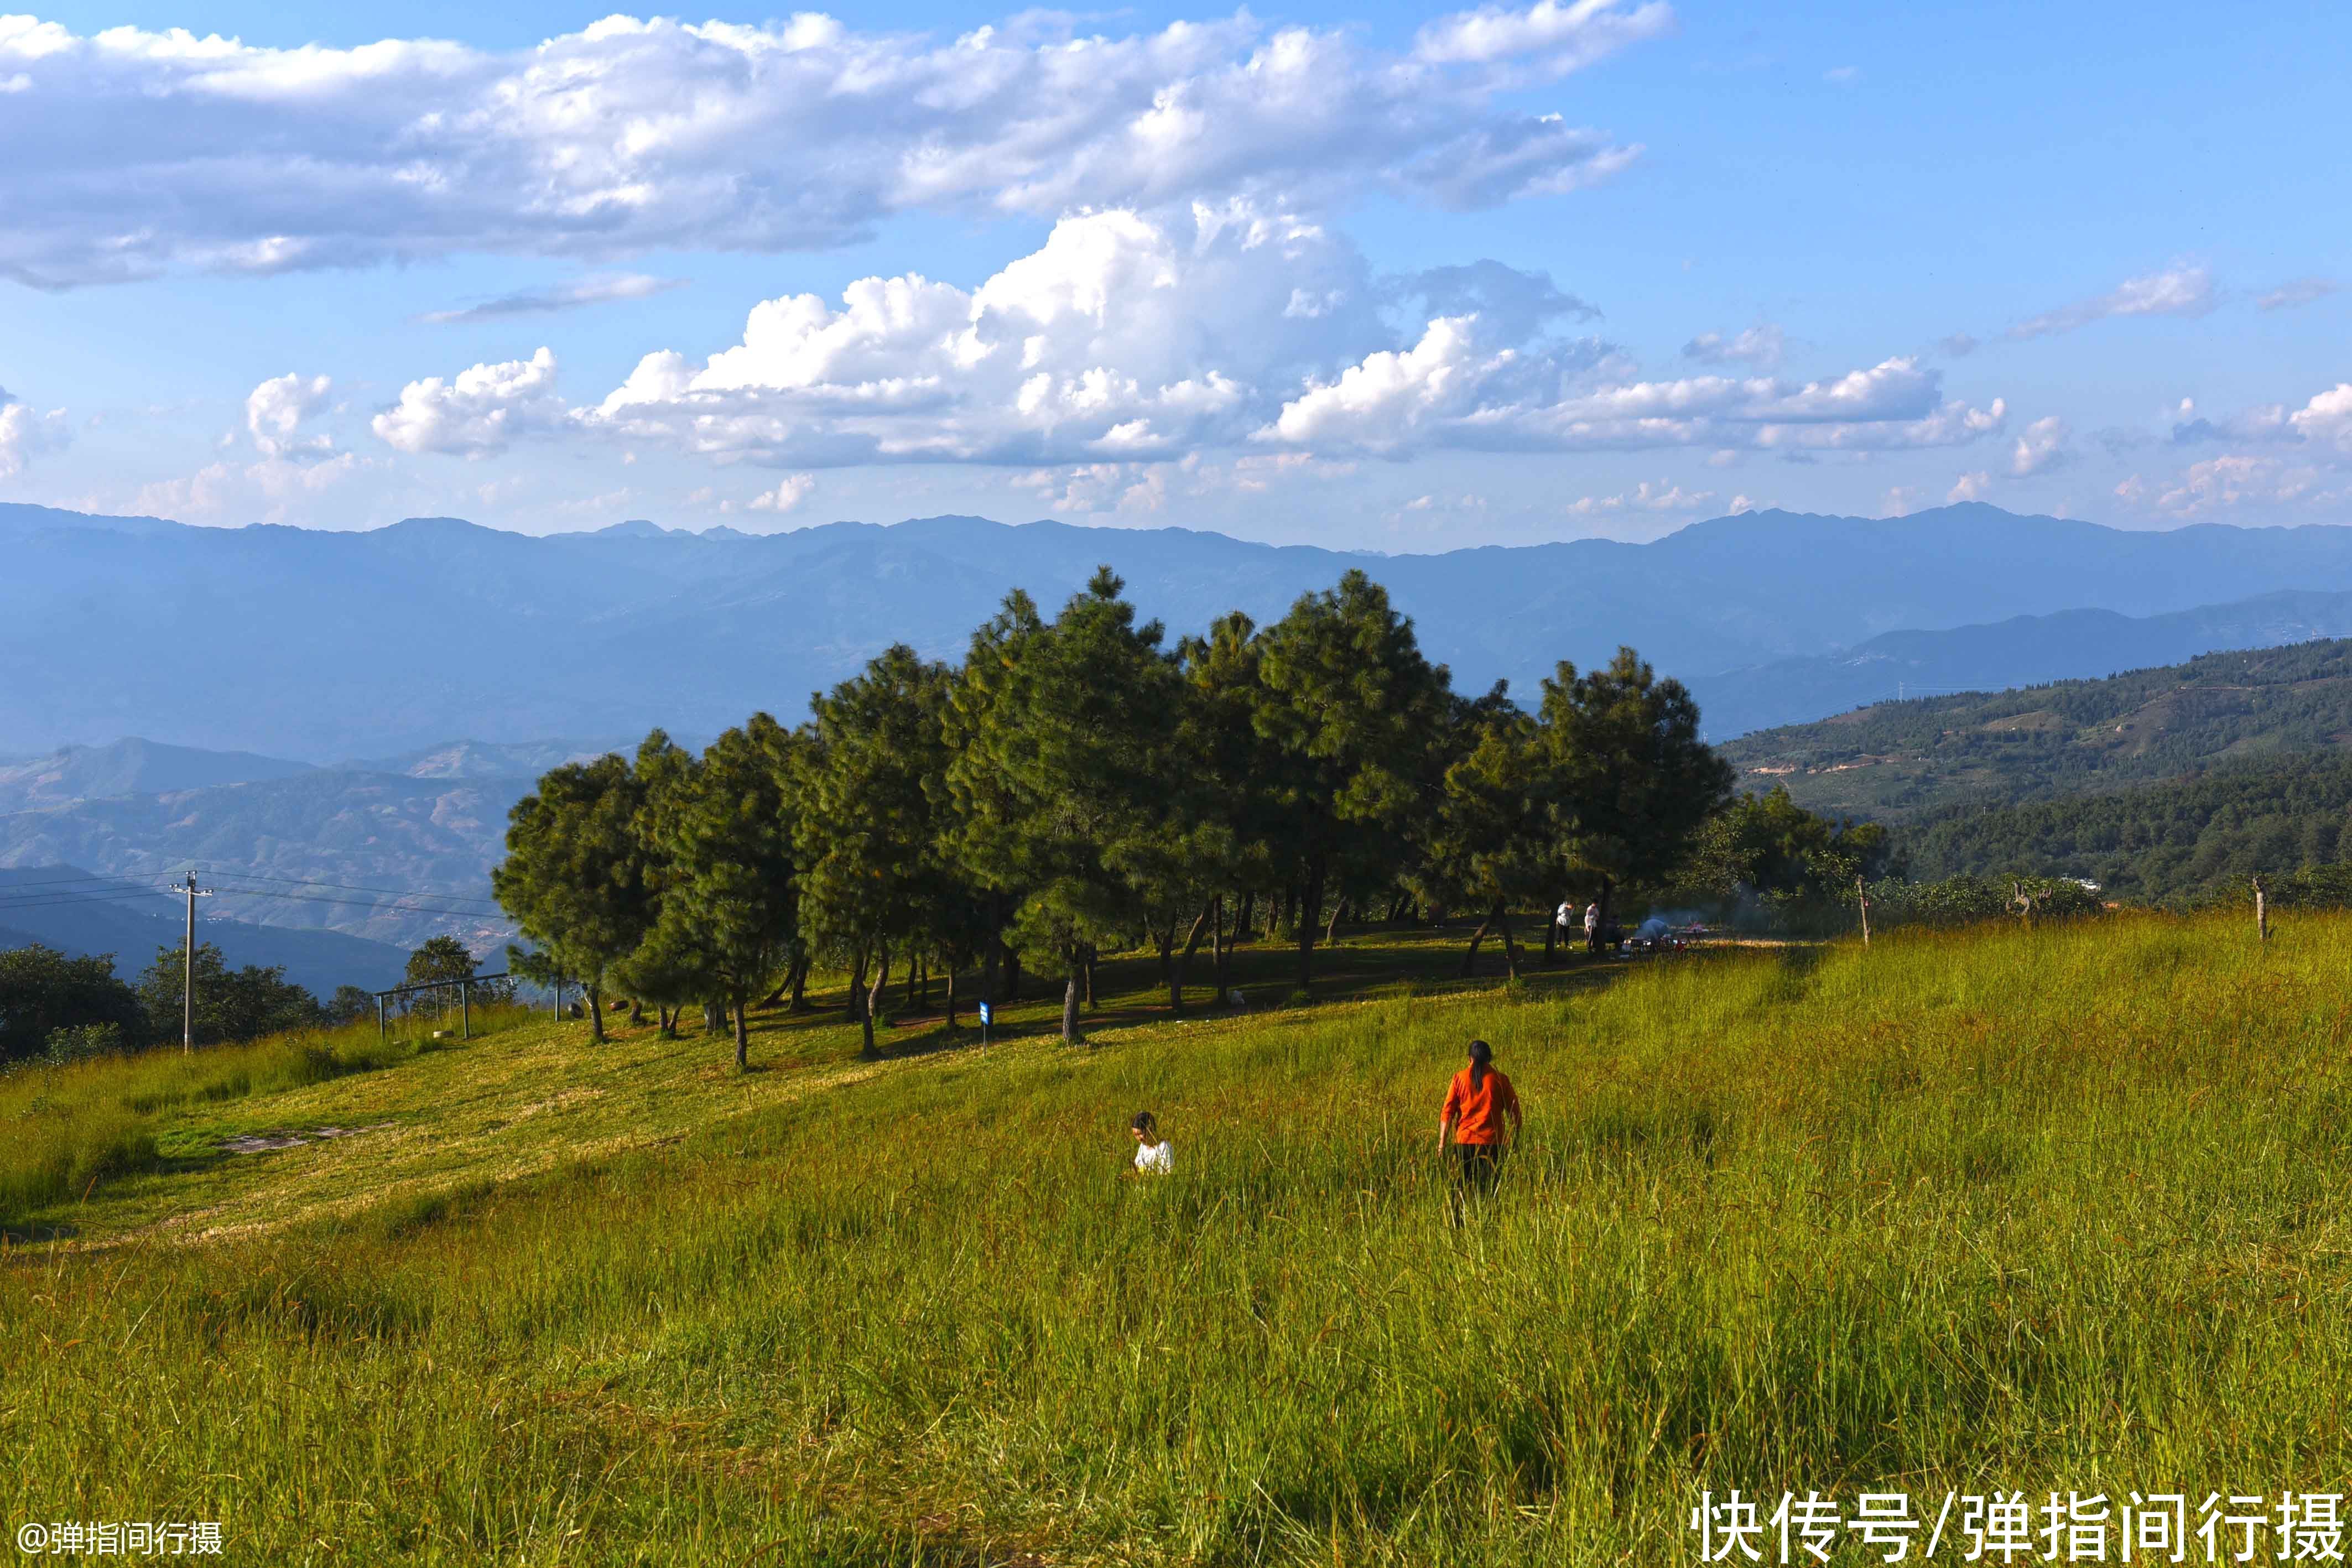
1065,745
1631,780
1354,711
1487,843
730,901
575,878
873,785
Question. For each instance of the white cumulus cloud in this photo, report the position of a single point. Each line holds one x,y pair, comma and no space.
1131,337
630,134
785,495
2042,448
2260,482
2326,419
1454,388
275,410
1123,337
477,413
25,433
1644,497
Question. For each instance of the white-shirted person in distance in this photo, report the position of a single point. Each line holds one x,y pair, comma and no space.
1152,1155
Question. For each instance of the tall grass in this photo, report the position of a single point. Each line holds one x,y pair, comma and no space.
2048,1208
64,1128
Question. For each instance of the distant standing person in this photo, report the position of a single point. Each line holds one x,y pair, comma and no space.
1592,926
1480,1120
1152,1155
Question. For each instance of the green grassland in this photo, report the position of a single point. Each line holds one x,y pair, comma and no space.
2058,1208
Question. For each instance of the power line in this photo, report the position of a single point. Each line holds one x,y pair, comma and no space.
11,886
355,887
353,903
53,891
72,898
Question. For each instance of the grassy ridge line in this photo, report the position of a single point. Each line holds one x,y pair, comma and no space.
2059,1207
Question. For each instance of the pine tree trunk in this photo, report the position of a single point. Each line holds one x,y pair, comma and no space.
1470,959
917,991
952,999
1221,946
742,1034
874,996
1510,945
1070,1007
1248,912
1089,952
1310,904
595,1016
1551,936
1607,899
800,984
636,1013
1331,932
1191,946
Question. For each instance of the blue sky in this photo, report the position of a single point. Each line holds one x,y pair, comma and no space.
1395,278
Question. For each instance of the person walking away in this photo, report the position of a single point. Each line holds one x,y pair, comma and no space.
1592,926
1480,1121
1152,1155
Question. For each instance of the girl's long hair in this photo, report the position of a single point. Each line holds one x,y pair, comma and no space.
1148,1124
1482,1063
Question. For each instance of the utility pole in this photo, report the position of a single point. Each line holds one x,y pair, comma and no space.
188,971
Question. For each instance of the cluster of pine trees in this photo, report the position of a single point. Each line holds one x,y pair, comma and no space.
1077,787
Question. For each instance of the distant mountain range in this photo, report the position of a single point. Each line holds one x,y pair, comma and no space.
66,907
130,766
325,645
2029,649
394,850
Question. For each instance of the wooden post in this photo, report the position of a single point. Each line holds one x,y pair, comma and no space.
1862,898
465,1008
383,1030
2261,911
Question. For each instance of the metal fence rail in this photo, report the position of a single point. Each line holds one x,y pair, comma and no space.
465,1000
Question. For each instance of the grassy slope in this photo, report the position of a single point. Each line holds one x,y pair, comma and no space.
1906,761
2048,1208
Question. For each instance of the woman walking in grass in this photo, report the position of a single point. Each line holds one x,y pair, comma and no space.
1480,1120
1152,1155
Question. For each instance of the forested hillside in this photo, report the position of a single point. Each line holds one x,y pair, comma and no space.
1909,761
2182,840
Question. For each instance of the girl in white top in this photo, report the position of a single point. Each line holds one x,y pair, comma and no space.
1152,1155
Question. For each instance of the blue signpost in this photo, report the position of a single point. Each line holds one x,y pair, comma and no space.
987,1017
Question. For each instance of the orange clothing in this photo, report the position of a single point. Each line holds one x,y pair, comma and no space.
1478,1113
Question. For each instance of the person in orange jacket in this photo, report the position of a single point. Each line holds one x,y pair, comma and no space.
1480,1120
